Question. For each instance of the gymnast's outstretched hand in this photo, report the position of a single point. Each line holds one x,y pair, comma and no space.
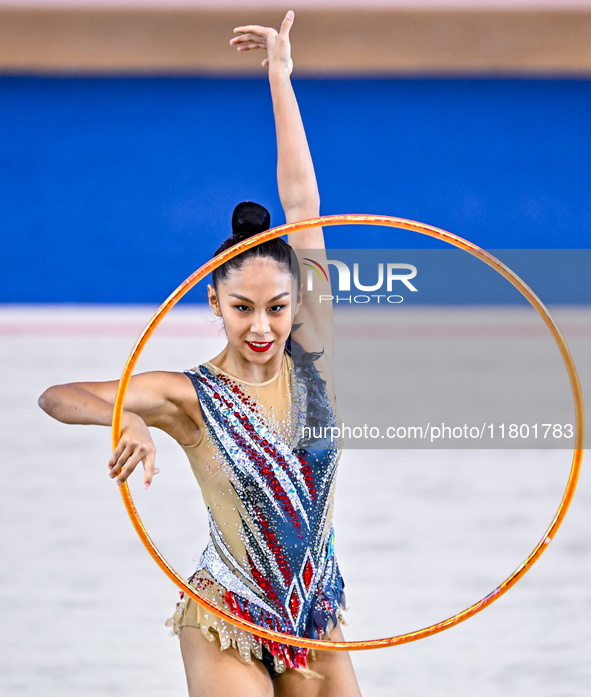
135,446
275,42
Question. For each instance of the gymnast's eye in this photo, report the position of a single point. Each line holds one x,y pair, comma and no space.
276,308
242,308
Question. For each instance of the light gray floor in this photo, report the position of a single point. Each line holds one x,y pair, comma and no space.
420,535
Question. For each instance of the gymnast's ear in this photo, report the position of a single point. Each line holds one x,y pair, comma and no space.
297,297
300,295
213,300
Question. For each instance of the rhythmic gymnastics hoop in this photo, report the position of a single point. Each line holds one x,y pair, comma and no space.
385,221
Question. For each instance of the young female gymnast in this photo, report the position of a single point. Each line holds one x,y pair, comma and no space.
247,421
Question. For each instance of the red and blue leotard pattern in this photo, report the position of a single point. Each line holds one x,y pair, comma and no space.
290,581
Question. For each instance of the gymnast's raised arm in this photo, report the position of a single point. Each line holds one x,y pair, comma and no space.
296,179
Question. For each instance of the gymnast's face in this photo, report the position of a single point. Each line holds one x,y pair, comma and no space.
257,303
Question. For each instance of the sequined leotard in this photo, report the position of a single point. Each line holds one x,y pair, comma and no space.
268,483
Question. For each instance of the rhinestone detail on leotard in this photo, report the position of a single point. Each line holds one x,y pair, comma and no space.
289,579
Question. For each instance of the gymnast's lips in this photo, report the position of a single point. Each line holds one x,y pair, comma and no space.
259,346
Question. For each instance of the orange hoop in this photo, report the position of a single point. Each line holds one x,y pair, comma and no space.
386,221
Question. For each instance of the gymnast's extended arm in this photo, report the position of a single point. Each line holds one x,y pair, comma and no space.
161,399
296,179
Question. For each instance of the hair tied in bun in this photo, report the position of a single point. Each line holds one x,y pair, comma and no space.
249,219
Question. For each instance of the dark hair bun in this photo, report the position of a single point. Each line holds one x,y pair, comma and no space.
249,219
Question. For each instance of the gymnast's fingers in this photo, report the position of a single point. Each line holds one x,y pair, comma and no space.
250,47
140,453
122,457
149,469
244,38
286,25
116,454
254,29
130,465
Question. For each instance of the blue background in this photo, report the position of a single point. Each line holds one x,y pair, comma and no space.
115,189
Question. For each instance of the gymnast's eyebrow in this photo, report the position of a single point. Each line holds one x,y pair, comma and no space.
248,300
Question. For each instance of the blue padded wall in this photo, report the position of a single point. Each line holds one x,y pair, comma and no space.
115,189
